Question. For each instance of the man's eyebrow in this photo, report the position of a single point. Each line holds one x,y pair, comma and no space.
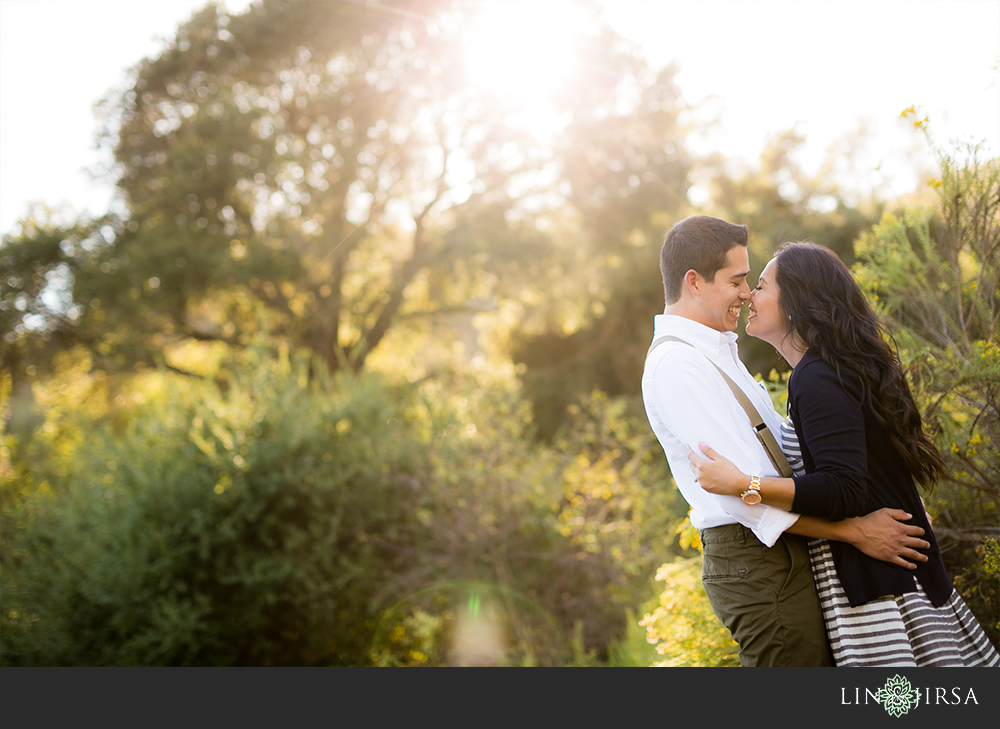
738,276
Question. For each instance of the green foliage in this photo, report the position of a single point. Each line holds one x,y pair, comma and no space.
291,519
779,202
624,168
253,527
32,263
605,346
634,648
934,273
683,627
538,537
615,486
289,170
325,173
320,179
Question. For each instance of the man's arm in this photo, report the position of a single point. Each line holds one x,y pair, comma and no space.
689,397
881,535
694,404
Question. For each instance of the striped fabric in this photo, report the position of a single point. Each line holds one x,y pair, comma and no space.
790,446
902,630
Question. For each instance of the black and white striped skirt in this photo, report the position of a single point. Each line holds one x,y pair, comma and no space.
896,630
900,630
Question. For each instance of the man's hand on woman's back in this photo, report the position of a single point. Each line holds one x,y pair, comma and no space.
883,535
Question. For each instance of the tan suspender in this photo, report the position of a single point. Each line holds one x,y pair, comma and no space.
764,434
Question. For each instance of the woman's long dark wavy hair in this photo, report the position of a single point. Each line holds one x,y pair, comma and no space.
827,309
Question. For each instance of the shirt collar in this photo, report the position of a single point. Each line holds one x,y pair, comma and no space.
703,337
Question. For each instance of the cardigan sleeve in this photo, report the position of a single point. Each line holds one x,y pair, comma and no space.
831,424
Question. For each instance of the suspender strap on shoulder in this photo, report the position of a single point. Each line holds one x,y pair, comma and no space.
763,433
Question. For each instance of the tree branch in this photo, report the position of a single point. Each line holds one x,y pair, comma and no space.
974,534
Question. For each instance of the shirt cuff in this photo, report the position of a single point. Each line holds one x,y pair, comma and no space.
773,524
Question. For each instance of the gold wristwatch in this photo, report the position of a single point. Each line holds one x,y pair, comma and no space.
752,494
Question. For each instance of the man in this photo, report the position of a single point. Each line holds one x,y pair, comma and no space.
756,568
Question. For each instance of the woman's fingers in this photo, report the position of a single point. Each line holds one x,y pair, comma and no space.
707,451
693,463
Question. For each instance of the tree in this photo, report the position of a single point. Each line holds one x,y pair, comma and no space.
299,170
779,201
624,170
933,271
284,519
629,180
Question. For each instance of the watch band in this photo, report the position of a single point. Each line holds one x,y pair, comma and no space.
752,494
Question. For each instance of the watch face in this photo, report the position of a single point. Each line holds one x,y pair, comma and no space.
751,497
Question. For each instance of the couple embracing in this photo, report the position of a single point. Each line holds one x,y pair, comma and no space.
817,549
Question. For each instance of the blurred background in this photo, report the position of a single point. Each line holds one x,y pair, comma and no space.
322,323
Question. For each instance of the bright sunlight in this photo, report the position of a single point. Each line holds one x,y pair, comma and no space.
524,52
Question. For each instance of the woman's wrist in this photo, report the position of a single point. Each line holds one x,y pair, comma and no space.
739,484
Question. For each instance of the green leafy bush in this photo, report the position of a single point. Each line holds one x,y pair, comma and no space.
683,627
933,271
296,519
549,546
251,527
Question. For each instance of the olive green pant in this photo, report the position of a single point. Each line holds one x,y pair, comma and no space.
765,596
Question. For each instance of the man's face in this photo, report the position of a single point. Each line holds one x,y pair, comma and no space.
721,299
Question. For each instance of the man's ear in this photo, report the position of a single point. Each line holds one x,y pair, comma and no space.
693,281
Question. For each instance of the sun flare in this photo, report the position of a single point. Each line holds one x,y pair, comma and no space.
524,52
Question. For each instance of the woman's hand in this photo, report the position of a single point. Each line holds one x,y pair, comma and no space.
716,474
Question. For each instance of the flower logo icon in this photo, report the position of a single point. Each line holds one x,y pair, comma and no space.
898,696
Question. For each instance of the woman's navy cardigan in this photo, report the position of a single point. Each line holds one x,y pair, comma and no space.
852,469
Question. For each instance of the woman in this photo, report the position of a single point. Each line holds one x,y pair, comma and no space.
855,440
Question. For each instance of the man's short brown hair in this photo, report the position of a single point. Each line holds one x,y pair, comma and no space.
700,243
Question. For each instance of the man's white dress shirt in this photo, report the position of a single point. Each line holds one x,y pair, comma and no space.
688,401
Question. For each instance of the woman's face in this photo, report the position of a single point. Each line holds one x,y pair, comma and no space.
765,320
